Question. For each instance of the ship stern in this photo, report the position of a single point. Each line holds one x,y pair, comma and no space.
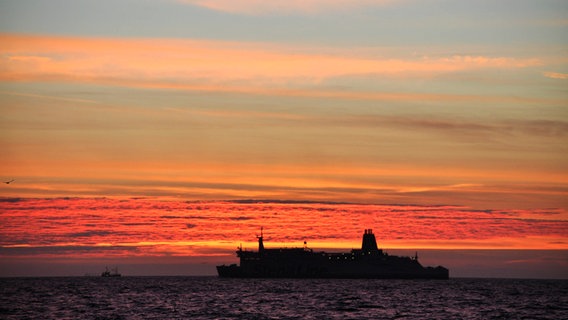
230,271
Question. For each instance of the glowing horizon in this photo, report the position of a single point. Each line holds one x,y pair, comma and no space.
199,227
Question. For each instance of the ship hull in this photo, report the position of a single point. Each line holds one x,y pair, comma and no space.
225,272
362,268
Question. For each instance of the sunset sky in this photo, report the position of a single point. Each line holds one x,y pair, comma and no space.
132,128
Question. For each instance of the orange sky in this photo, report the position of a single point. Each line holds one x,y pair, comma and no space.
87,232
459,127
147,226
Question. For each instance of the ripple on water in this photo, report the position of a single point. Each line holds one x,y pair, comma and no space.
215,298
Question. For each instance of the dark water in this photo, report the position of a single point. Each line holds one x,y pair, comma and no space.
214,298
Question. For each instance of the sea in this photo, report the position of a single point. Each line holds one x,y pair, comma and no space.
218,298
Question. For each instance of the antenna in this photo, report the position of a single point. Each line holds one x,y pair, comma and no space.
260,241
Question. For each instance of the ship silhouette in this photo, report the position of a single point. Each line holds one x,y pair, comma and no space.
110,273
367,262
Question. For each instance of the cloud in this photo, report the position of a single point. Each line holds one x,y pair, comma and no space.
261,7
43,231
453,128
56,249
556,75
221,66
42,96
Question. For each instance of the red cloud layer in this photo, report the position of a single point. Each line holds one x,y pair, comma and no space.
147,227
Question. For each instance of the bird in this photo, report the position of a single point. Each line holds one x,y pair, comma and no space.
8,182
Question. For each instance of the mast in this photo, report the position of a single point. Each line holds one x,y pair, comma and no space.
260,242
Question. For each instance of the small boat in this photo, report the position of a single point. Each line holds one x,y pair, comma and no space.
110,273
